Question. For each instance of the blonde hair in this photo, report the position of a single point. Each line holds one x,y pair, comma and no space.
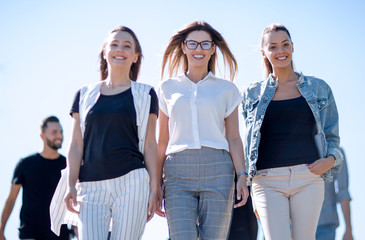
175,57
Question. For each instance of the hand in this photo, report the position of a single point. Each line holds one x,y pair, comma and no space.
242,191
159,210
348,235
70,200
154,202
322,165
76,231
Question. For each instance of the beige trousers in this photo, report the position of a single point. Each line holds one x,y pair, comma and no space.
288,201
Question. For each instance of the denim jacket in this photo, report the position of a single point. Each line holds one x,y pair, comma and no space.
256,98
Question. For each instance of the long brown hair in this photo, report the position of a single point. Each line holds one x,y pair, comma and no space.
275,27
176,58
134,71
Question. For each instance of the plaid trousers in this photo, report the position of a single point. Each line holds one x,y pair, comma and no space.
199,193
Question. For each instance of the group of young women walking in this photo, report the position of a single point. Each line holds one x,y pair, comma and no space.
119,175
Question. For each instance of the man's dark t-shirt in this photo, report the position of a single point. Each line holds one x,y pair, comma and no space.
39,178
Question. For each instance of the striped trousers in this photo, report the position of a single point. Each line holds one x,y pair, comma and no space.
122,200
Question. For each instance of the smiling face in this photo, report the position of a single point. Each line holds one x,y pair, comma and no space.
53,135
278,49
198,57
120,50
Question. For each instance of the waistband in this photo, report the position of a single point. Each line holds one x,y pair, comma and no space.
200,151
278,169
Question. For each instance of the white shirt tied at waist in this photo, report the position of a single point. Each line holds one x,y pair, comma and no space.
88,97
197,111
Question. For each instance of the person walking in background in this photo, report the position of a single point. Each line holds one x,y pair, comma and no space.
328,220
38,175
291,142
198,131
244,223
113,142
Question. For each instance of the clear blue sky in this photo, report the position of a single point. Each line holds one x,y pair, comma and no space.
48,49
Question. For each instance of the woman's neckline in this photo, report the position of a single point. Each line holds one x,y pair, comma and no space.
288,99
114,94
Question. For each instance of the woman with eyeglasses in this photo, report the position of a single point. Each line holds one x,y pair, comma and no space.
292,141
199,142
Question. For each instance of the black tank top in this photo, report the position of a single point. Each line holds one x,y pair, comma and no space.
287,135
111,136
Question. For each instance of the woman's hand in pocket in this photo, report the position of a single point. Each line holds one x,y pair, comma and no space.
322,165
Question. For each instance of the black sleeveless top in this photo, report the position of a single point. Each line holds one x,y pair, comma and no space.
287,135
111,136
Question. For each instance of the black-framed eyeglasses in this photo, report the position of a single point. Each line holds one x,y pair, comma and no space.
192,45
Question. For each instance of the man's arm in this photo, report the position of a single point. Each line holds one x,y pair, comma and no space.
343,196
8,208
345,206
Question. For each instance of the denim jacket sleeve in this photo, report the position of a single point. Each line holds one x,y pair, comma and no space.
245,140
250,102
330,125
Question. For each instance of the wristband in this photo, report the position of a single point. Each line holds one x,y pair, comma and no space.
242,173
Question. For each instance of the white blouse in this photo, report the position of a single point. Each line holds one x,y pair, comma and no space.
197,111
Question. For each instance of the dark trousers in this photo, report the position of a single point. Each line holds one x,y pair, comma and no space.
244,223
